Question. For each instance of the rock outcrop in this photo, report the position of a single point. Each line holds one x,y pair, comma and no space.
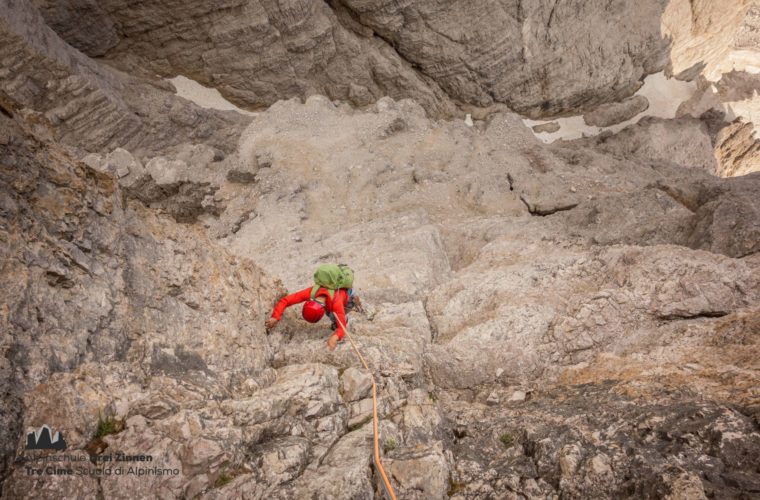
108,296
717,44
256,52
614,113
80,103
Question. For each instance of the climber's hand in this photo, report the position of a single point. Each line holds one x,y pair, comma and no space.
332,341
358,304
269,324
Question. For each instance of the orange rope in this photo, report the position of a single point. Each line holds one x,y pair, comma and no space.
378,463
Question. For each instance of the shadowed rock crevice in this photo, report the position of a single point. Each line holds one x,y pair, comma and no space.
542,212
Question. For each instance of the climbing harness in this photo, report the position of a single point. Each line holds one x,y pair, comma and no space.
376,457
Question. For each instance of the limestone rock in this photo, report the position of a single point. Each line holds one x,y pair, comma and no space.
421,423
95,162
685,142
614,113
341,473
355,384
360,413
283,460
569,461
615,279
584,457
513,51
648,217
108,285
87,105
738,150
467,353
312,389
245,175
122,163
600,465
518,396
87,28
548,128
421,474
730,222
686,486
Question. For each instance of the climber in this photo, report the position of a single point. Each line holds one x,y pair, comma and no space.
332,293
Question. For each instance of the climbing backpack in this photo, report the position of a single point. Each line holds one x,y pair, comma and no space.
332,277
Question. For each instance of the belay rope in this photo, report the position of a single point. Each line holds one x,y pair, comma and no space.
376,456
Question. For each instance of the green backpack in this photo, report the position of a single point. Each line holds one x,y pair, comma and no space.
332,277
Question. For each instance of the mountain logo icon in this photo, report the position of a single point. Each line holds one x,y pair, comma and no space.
45,439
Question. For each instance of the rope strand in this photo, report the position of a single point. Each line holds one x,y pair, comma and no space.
376,458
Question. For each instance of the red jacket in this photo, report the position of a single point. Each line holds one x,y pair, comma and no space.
336,305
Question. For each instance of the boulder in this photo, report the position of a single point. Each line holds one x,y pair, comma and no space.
122,163
548,128
618,112
355,384
420,474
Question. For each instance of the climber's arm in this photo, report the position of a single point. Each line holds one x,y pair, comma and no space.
285,302
340,313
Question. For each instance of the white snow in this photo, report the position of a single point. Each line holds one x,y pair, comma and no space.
664,96
204,97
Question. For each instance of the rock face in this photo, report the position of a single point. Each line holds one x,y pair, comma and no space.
639,272
256,52
577,319
711,38
479,68
614,113
563,445
686,142
738,150
105,292
717,44
733,99
83,104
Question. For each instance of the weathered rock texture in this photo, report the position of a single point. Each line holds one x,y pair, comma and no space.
575,320
256,52
498,265
717,43
712,38
99,289
738,149
83,104
611,114
733,99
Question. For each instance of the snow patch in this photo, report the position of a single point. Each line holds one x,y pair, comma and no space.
205,97
664,96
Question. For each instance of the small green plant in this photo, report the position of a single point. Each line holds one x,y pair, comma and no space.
455,487
507,439
389,445
222,479
107,426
